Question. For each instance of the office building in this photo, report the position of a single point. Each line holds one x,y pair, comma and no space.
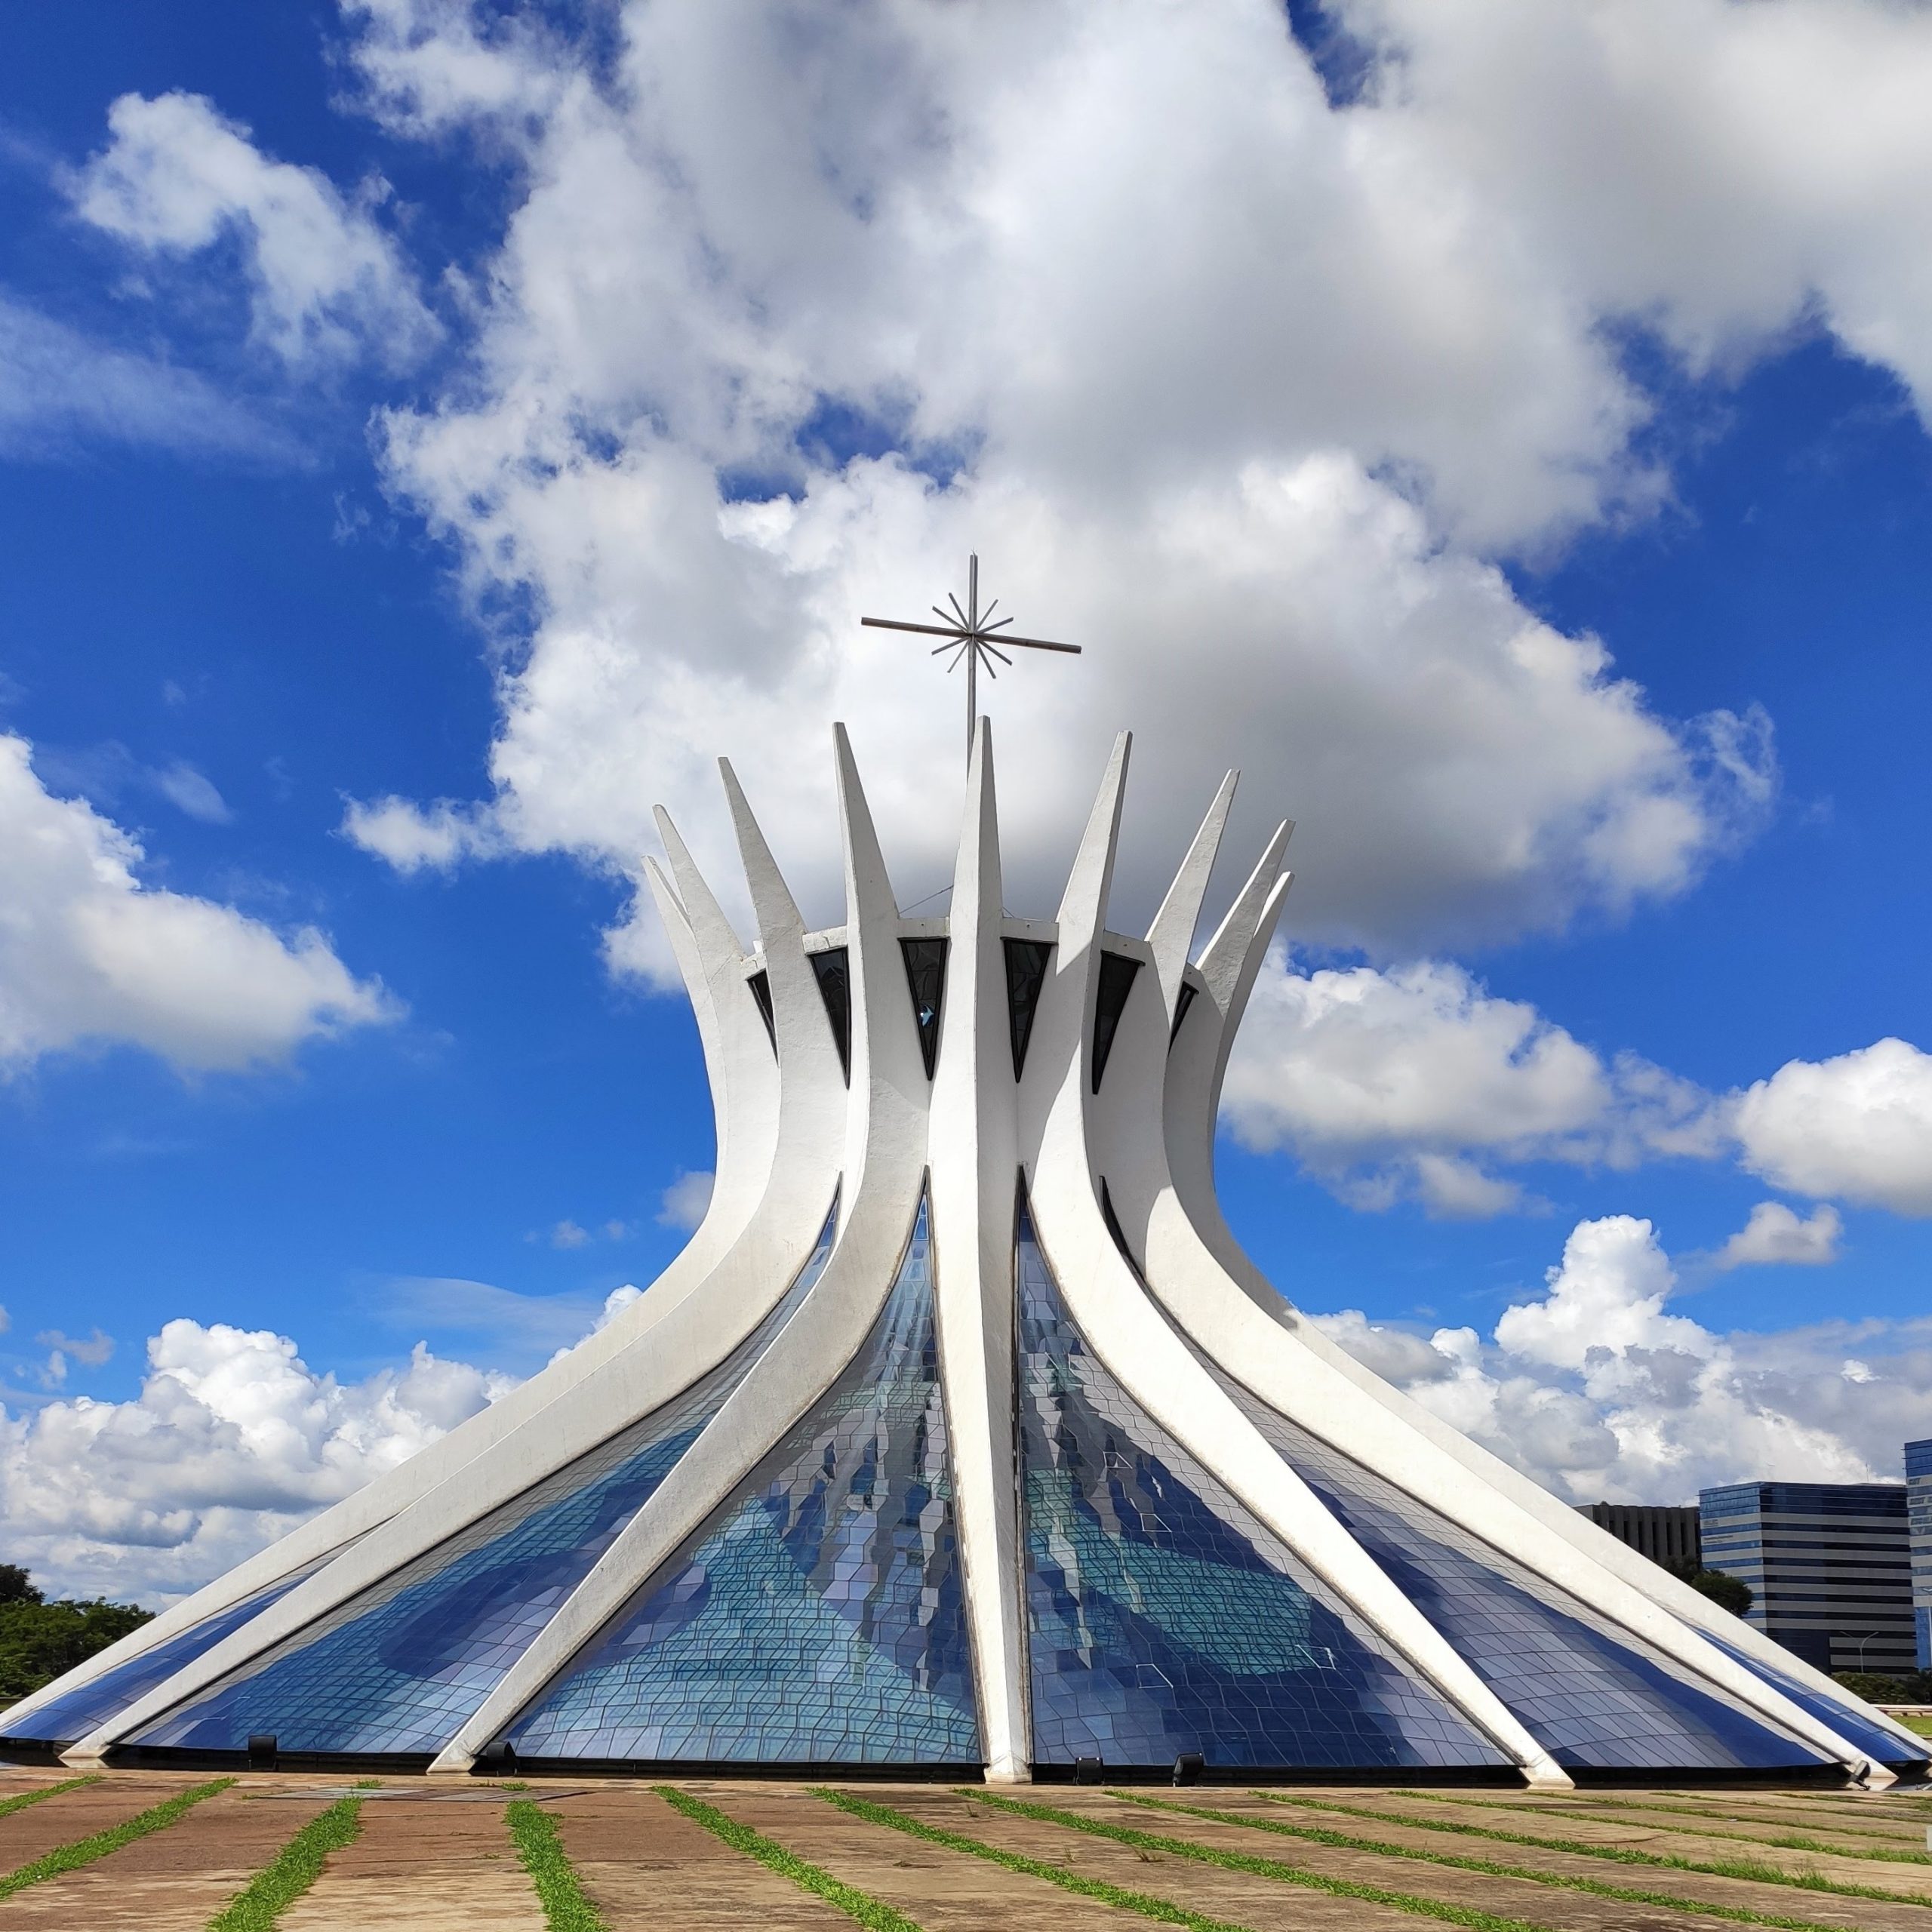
1665,1536
1828,1565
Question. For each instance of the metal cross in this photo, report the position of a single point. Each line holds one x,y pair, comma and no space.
970,634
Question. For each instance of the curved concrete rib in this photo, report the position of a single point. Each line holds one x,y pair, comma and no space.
1172,936
973,1159
885,1153
1236,1316
386,1496
1119,1324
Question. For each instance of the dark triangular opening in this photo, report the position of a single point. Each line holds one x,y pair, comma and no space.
1117,973
925,978
1114,1228
831,968
760,983
1183,1001
1025,979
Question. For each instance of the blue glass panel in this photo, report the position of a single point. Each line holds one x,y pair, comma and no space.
1592,1695
820,1619
402,1666
1163,1617
75,1714
1845,1721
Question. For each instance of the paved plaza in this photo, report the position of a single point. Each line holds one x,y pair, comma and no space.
176,1852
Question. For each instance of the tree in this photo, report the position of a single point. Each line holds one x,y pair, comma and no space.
1732,1591
15,1586
39,1640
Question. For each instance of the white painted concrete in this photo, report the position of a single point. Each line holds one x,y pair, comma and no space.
1173,1301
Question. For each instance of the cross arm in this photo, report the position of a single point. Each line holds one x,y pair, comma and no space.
963,636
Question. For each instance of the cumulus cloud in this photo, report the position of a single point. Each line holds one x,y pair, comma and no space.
685,1200
177,177
1596,1387
231,1440
1858,1127
788,318
1410,1082
89,954
1775,1234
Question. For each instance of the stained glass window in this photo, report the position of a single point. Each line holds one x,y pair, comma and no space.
1594,1695
925,978
1025,975
1163,1617
77,1713
398,1669
1117,974
832,969
820,1619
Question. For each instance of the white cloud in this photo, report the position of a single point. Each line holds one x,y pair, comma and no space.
1245,410
1411,1081
94,1349
89,954
685,1200
568,1234
58,386
1595,1388
1858,1126
177,177
232,1440
193,792
1774,1234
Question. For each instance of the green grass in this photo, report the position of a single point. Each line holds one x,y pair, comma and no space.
874,1914
1591,1808
1755,1870
84,1851
565,1908
1921,1725
21,1800
1145,1903
1491,1868
293,1870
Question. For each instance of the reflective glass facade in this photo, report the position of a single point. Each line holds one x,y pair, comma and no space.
820,1619
399,1669
66,1720
1162,1617
1849,1725
1596,1697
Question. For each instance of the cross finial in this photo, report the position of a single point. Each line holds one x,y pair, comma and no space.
970,634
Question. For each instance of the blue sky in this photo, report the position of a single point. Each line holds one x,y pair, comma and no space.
427,439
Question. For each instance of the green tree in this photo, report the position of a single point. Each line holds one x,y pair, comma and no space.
39,1640
1732,1591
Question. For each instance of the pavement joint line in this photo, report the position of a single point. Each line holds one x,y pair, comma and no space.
1566,1882
1149,1906
70,1857
260,1904
1596,1805
1753,1869
1265,1868
22,1799
533,1831
874,1914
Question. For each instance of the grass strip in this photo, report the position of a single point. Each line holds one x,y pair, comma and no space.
293,1870
22,1799
874,1914
84,1851
1755,1870
1597,1805
1490,1867
1145,1903
1152,1841
538,1845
